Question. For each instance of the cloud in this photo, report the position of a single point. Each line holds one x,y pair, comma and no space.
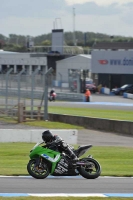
26,26
98,2
34,8
127,14
111,25
93,9
38,17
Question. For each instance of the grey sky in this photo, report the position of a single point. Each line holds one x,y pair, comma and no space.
37,17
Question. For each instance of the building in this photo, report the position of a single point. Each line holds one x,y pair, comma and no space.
41,57
28,62
65,67
73,70
112,64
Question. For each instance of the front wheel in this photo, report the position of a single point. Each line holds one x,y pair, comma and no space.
38,170
91,170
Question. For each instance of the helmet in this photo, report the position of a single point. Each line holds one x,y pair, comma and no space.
47,136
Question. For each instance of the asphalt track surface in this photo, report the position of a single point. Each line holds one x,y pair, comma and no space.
116,186
66,185
100,101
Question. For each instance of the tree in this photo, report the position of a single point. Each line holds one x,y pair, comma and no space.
46,43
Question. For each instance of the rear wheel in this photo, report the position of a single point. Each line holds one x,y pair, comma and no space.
91,170
38,171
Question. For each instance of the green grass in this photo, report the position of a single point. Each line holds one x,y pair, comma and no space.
63,198
91,112
88,112
52,125
115,161
42,123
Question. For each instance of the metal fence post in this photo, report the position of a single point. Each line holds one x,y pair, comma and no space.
20,113
7,78
78,83
32,90
46,93
60,81
19,85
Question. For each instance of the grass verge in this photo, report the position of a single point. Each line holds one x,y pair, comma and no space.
91,112
115,161
63,198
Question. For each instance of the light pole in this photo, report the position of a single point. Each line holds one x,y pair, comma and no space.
74,38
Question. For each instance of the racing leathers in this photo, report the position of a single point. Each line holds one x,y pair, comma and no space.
58,144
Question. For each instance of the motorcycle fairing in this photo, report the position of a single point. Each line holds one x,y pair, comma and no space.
63,169
82,149
52,156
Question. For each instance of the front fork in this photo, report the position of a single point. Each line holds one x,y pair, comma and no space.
38,162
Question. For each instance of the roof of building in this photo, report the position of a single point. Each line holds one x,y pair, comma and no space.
113,45
2,51
79,55
85,55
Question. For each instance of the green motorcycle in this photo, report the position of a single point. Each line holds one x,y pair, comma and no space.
44,161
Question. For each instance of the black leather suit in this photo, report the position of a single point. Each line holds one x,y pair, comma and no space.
58,144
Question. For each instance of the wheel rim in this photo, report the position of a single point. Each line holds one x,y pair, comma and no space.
40,169
92,168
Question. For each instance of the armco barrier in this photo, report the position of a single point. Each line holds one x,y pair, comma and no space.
84,99
122,127
76,97
127,95
105,90
34,136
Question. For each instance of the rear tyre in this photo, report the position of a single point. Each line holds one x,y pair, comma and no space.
39,171
91,170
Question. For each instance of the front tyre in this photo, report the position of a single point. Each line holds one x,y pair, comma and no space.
91,170
38,171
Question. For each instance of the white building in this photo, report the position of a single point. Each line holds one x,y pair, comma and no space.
75,63
18,61
113,68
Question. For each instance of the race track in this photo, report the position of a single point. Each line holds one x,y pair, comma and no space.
74,186
66,185
100,102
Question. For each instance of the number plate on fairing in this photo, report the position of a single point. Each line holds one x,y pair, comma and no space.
62,167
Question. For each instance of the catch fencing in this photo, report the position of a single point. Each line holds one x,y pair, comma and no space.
21,88
32,90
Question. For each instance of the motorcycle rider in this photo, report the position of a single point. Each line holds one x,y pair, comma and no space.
51,94
56,143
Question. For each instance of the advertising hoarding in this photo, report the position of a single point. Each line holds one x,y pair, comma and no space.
112,62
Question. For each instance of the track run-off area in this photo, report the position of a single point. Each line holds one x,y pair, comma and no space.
74,186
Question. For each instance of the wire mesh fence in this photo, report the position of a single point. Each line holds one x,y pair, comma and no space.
32,91
21,88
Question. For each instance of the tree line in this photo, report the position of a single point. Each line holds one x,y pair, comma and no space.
19,43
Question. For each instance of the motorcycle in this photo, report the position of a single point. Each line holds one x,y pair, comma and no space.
52,97
44,161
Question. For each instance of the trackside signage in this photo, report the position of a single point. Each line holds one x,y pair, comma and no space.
112,62
125,61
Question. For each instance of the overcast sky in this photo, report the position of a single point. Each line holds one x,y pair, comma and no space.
37,17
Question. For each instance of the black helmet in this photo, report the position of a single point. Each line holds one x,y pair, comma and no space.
47,136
